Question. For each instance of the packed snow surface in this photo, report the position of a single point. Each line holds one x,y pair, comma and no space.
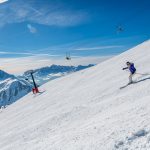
85,110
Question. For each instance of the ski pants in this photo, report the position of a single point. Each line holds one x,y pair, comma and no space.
130,77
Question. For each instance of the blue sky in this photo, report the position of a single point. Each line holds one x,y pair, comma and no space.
83,28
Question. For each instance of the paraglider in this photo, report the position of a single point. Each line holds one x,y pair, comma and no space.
119,29
68,57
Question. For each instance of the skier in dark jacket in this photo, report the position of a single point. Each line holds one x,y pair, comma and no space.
132,70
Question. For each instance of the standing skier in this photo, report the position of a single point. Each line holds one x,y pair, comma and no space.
132,70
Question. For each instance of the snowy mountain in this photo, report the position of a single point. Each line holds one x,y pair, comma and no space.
11,88
45,74
85,110
4,75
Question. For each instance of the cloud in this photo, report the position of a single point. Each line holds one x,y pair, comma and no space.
15,53
98,47
3,1
31,28
28,54
80,46
53,14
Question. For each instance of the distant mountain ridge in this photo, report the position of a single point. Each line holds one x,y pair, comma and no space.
58,68
4,75
44,74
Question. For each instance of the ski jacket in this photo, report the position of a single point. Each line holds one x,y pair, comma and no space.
132,69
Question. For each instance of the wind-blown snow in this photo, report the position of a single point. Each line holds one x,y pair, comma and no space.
85,110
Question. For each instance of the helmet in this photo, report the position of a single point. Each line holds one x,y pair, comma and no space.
128,63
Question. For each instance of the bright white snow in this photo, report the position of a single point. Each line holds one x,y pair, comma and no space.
85,110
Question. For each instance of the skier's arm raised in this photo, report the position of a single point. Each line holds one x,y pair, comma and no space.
125,68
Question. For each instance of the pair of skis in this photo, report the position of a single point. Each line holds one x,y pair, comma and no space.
138,79
127,85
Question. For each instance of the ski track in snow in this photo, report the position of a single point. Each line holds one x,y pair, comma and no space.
85,110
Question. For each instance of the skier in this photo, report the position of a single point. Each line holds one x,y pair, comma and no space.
132,70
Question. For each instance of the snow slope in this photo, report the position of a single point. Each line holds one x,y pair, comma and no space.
85,110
